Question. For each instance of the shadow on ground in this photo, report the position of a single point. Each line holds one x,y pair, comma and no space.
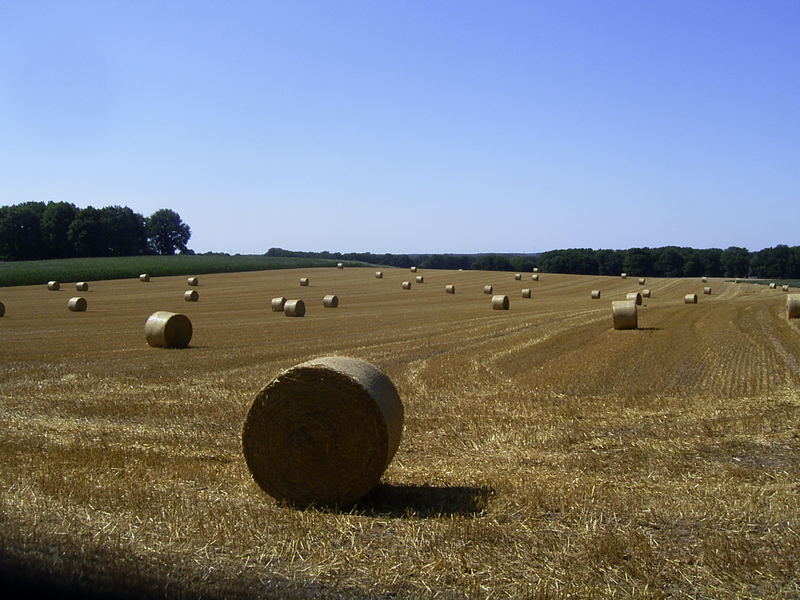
424,500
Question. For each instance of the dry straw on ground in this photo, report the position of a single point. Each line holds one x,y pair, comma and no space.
294,308
53,286
595,294
82,286
420,278
624,315
168,330
378,274
192,281
518,276
144,277
635,297
690,299
707,290
304,281
450,288
646,293
487,289
500,302
793,306
406,285
330,301
277,304
191,296
77,304
641,281
535,277
323,432
526,292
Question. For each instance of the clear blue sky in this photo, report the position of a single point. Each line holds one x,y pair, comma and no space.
412,126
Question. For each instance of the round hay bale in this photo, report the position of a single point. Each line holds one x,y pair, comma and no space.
304,281
518,276
144,277
704,279
339,266
77,304
82,286
690,299
487,289
191,296
641,281
793,306
168,330
535,269
2,309
192,281
736,280
707,290
500,302
623,275
595,294
277,304
413,269
772,286
635,296
294,308
646,293
450,288
624,314
53,286
378,274
406,285
420,278
535,277
785,288
323,432
330,301
526,293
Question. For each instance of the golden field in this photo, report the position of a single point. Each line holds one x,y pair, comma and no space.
544,455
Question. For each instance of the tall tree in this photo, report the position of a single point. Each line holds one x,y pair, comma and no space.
56,219
86,233
736,261
125,231
20,231
166,232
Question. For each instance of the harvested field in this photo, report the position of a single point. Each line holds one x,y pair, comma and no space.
544,454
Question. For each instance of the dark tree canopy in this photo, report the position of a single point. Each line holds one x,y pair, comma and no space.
166,232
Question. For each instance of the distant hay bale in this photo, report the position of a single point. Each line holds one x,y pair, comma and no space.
330,301
168,330
623,275
646,293
191,296
772,286
487,289
595,294
378,274
82,286
518,277
535,277
53,286
526,293
294,308
339,266
704,279
323,432
304,281
785,288
690,299
500,302
192,281
635,296
793,306
76,304
535,269
277,304
2,309
641,281
420,279
406,285
144,277
736,280
450,288
623,313
413,269
707,290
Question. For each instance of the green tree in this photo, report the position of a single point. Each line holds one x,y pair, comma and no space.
736,261
56,219
166,232
638,261
21,232
86,233
124,231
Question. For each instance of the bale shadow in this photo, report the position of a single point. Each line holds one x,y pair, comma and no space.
650,328
407,501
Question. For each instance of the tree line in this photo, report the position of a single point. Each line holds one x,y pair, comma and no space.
35,230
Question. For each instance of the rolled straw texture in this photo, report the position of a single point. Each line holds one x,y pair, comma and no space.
518,276
192,281
535,277
277,304
294,308
595,294
785,288
304,281
793,306
707,290
323,432
144,277
378,274
705,279
413,269
646,293
500,302
526,293
77,304
772,286
330,301
168,330
624,314
53,286
487,289
406,285
641,281
2,309
420,278
82,286
690,299
623,275
339,266
450,288
535,269
635,296
191,295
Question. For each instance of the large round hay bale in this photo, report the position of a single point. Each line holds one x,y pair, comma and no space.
192,281
487,289
623,275
406,285
690,299
704,279
772,286
518,276
450,288
339,266
535,269
793,306
624,314
526,293
2,309
378,274
82,286
413,269
168,330
707,290
646,293
595,294
76,304
641,281
535,277
785,288
277,304
304,281
144,277
420,279
53,286
191,296
635,296
294,308
500,302
323,432
330,301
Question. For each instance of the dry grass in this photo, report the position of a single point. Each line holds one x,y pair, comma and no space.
544,456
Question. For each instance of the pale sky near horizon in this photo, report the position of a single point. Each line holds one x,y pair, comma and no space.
412,126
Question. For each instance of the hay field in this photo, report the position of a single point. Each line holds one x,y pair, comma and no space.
544,454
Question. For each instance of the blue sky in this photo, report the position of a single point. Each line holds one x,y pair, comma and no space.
412,126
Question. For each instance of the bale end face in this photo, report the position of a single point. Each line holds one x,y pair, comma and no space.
406,285
191,296
144,277
168,330
192,281
595,294
294,308
82,286
624,314
277,304
53,286
500,302
635,297
526,293
793,306
450,288
646,293
304,281
330,301
323,432
690,299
